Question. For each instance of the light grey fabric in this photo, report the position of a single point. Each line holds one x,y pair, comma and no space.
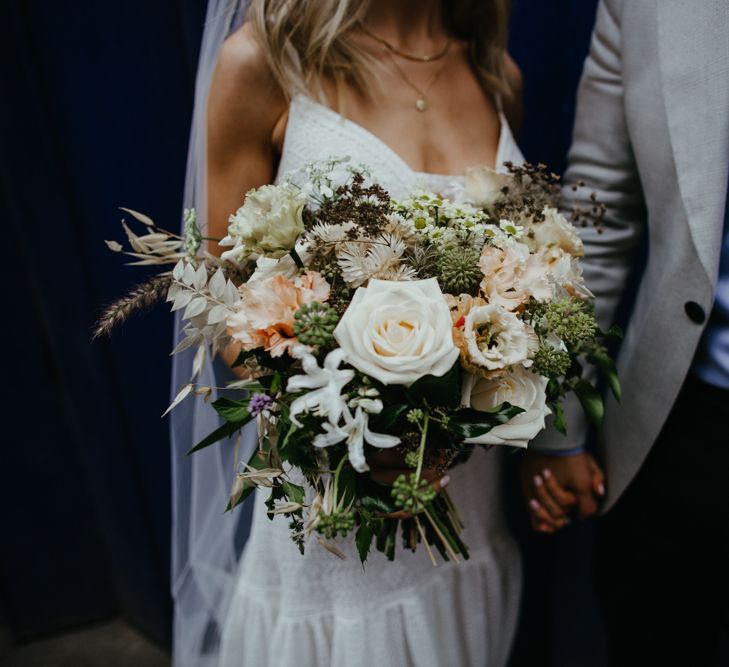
652,139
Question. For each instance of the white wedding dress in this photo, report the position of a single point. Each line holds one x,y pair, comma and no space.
319,611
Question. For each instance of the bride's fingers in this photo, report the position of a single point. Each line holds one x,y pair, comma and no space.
541,516
598,478
555,510
558,493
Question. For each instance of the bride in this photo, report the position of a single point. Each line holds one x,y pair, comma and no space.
418,90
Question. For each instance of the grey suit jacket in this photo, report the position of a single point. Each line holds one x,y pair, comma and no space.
652,139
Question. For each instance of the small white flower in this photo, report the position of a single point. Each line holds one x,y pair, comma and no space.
325,398
362,261
511,228
355,432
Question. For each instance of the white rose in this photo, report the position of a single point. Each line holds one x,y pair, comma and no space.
268,223
483,185
496,338
397,332
555,231
521,388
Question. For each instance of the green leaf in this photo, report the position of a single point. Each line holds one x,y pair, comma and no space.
363,539
387,418
231,409
376,504
441,391
560,421
470,423
613,332
224,431
294,492
591,401
604,362
276,494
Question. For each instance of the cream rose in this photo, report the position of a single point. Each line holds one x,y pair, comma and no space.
521,388
496,338
483,185
268,223
397,332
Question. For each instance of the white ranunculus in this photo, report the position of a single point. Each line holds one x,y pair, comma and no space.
496,338
483,185
268,223
521,388
397,332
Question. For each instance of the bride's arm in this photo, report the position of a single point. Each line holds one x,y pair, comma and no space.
244,107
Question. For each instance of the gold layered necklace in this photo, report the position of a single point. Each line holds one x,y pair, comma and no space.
421,101
408,56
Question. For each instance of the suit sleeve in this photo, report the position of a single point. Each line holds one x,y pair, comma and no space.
601,156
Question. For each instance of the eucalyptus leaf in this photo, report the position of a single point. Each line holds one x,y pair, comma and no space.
217,285
188,274
218,314
182,298
195,307
201,277
178,270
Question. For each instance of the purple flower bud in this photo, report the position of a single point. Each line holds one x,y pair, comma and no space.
259,403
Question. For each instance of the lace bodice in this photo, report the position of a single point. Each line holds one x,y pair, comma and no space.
316,132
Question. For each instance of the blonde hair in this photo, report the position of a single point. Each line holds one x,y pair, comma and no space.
306,41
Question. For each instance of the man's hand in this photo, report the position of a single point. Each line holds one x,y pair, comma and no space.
554,485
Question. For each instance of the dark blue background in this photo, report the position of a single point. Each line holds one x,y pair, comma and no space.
95,102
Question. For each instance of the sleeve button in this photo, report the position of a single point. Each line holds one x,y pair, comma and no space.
695,312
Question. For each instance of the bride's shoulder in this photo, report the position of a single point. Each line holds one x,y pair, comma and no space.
244,86
243,56
512,98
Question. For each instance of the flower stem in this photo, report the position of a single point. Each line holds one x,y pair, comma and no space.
421,449
296,258
338,470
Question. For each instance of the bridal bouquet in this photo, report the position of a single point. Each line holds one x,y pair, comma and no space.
364,323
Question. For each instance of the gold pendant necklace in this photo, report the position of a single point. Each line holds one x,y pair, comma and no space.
421,101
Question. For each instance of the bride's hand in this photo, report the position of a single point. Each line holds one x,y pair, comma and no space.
388,464
555,486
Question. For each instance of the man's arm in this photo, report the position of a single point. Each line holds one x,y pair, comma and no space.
602,158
